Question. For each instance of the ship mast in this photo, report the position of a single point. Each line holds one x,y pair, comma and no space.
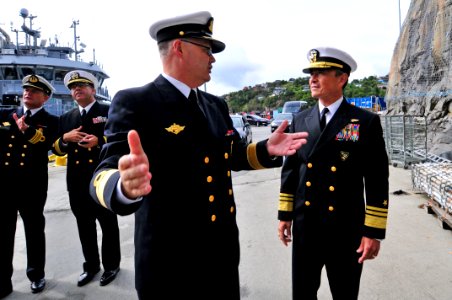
76,39
29,32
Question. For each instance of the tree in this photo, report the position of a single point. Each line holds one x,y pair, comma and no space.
261,96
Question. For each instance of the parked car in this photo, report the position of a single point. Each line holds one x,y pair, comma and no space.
279,118
243,128
256,120
294,106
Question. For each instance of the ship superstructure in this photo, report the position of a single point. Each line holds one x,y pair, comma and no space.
34,56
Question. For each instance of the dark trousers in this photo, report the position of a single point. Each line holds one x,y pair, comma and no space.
189,267
201,286
29,202
86,212
340,261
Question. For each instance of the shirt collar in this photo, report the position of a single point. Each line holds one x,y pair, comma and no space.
182,87
331,108
33,111
86,108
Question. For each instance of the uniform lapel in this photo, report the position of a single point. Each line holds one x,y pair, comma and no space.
20,111
338,121
312,125
213,116
210,108
93,112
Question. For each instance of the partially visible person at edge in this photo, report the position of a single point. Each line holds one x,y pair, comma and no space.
26,136
81,136
334,190
186,236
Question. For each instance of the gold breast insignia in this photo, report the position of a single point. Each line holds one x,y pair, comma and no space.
175,128
344,155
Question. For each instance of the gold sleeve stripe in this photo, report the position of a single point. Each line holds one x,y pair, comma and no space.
251,155
376,208
376,212
100,182
285,202
286,196
375,222
285,205
37,137
379,214
105,139
56,146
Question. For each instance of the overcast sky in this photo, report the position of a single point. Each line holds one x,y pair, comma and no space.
265,40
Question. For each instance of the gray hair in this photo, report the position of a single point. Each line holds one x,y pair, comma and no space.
164,48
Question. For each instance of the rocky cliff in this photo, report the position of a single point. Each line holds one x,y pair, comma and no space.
420,78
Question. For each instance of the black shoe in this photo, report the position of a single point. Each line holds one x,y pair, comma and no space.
38,285
86,277
108,276
5,291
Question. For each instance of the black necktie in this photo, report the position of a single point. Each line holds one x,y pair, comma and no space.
27,116
83,116
193,99
323,118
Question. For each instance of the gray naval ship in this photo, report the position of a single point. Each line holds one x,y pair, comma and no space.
29,54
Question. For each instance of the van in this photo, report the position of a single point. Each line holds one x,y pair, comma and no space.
294,106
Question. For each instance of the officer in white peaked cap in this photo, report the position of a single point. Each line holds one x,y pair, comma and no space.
330,58
182,137
80,76
333,203
81,137
197,25
27,133
38,82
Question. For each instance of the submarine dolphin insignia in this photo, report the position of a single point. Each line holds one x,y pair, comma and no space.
28,54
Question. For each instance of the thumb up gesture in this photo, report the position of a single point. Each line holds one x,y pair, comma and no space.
134,169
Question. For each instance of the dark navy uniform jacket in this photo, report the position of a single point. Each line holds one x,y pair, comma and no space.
81,162
186,236
26,154
338,182
24,159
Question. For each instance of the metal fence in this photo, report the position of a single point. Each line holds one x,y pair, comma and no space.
406,139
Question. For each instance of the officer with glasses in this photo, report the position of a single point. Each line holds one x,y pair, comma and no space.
81,136
170,152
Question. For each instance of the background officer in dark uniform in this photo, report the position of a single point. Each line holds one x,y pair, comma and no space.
186,236
335,188
81,136
26,136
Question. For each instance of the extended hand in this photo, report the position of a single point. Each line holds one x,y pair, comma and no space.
134,169
281,143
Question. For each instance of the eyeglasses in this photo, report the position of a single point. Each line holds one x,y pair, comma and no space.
207,49
78,84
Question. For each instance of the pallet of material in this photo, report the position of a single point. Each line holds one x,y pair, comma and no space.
435,179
